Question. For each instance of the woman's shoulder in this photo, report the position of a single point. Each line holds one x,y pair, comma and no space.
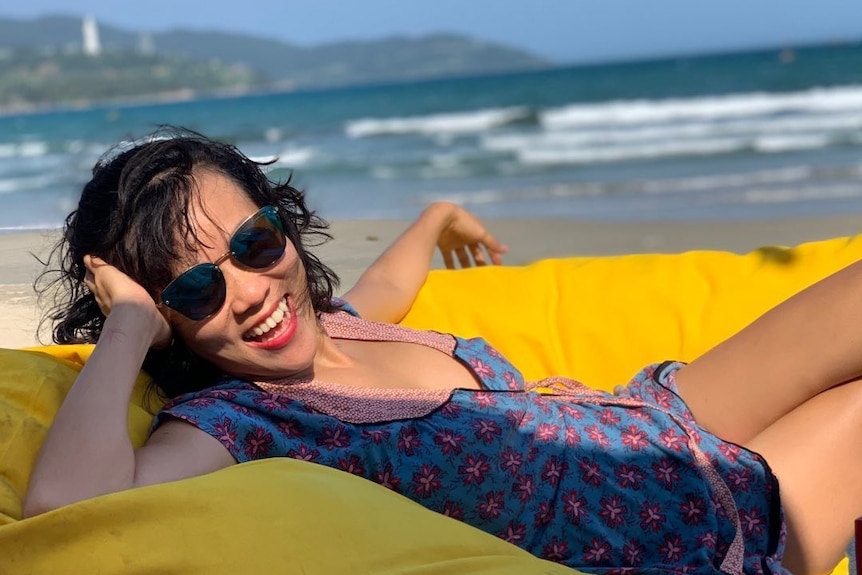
227,389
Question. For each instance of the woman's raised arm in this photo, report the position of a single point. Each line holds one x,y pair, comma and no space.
389,286
88,452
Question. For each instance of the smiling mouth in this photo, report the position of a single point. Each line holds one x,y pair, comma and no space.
272,325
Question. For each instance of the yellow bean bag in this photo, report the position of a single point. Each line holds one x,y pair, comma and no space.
596,319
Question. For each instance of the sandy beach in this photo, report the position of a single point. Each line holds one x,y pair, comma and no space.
358,242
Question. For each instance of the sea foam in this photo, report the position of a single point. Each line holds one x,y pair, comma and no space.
436,124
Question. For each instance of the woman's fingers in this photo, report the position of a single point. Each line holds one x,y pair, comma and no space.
93,262
478,255
111,288
489,249
495,248
463,258
447,259
460,253
471,243
90,281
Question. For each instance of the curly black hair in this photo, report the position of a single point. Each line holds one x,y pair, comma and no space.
134,212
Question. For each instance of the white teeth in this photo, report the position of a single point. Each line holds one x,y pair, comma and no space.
273,320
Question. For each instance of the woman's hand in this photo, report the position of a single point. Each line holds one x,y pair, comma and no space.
113,290
388,288
464,237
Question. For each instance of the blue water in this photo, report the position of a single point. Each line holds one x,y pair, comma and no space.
759,135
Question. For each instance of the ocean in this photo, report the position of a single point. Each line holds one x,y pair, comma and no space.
751,135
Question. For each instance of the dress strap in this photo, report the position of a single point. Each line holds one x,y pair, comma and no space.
342,325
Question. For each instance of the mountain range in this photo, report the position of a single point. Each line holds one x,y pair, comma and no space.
283,64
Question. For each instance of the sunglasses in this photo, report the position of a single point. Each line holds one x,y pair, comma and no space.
200,291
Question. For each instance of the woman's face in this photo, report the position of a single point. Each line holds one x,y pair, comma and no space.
273,300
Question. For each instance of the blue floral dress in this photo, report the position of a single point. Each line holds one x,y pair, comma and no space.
605,483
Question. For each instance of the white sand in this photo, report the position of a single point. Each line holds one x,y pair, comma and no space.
358,242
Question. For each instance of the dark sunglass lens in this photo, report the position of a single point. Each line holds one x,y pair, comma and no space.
260,241
198,293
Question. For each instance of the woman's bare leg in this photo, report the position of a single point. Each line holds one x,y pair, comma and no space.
816,453
806,345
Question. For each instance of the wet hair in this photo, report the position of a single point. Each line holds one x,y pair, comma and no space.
135,214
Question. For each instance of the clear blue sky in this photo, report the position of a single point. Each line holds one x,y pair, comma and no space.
562,30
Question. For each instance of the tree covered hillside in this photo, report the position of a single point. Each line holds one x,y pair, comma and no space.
42,62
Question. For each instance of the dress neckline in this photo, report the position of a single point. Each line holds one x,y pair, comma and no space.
369,404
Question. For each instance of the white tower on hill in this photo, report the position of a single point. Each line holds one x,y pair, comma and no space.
146,45
90,33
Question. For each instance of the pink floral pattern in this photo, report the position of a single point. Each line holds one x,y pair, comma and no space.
580,480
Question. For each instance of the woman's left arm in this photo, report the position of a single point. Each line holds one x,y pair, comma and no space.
389,286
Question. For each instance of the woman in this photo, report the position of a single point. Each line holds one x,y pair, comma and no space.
184,259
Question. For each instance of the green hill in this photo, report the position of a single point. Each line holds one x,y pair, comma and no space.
30,79
41,62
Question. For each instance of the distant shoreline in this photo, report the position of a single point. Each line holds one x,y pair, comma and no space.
277,88
170,97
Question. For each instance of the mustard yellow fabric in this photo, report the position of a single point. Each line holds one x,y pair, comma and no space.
600,319
594,319
273,516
